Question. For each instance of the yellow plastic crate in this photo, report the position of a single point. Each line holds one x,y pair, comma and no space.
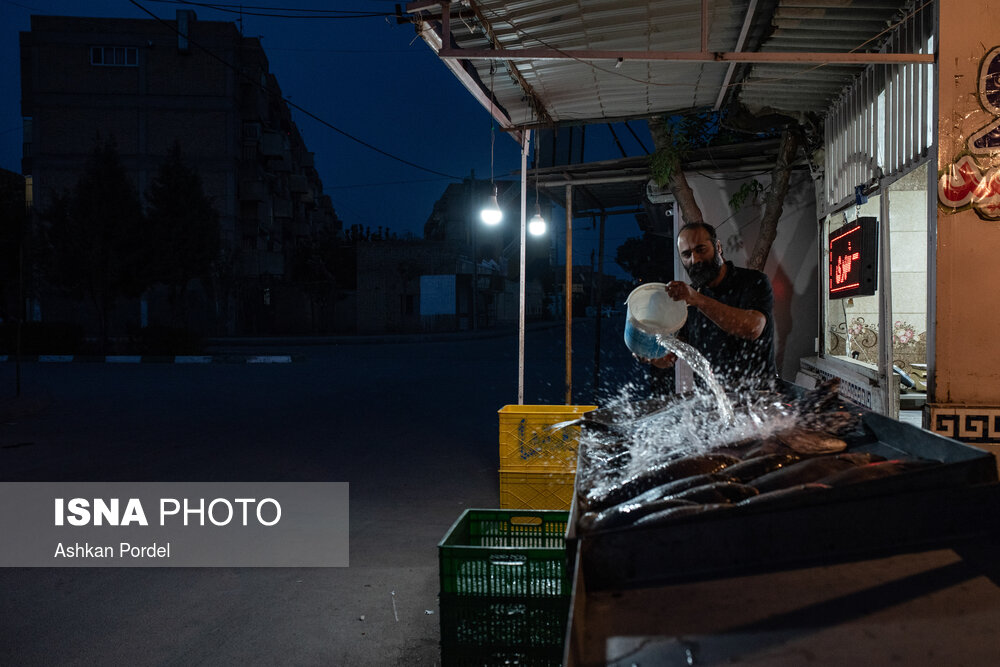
536,490
528,443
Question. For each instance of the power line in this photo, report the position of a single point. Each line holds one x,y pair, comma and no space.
291,104
265,11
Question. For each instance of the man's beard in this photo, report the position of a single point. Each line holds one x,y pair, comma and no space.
703,273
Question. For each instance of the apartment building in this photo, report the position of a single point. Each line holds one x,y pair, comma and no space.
150,83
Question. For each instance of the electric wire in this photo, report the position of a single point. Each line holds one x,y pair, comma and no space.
286,100
265,11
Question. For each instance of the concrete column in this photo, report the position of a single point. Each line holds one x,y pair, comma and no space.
964,285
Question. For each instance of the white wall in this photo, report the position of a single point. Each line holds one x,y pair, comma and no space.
791,265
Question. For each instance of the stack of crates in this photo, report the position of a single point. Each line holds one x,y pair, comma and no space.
537,462
505,590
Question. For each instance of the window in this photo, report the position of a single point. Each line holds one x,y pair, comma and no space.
114,56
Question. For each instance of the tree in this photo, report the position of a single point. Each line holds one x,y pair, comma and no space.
649,259
774,199
13,230
97,236
183,228
676,136
323,267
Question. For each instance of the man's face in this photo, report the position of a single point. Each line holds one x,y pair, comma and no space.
701,258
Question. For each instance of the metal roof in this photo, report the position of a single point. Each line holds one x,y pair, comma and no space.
539,63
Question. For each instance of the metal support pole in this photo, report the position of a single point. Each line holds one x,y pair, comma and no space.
600,308
569,295
886,376
524,226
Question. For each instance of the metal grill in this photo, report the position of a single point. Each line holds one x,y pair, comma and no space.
881,124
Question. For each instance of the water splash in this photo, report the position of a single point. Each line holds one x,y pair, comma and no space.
637,434
700,365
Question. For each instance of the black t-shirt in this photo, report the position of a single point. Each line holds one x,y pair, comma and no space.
736,362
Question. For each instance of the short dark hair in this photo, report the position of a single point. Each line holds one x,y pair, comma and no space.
701,225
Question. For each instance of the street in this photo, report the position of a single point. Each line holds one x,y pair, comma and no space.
412,426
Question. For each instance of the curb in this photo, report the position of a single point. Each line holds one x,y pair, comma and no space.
137,359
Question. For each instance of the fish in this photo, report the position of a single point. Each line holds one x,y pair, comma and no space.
822,409
719,492
678,486
625,514
674,513
810,442
598,499
874,470
751,468
787,493
699,489
809,470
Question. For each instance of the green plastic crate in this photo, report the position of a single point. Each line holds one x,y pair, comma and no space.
505,591
503,631
489,552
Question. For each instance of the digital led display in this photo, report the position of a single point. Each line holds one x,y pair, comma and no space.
854,259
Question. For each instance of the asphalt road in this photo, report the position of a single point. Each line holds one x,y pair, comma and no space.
412,426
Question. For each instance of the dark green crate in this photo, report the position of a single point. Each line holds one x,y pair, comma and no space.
503,630
498,553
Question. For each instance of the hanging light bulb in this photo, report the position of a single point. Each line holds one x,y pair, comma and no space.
536,226
491,213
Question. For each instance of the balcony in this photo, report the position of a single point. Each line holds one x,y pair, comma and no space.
273,144
259,262
253,191
282,208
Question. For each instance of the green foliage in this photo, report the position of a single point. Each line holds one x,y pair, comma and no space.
42,338
749,190
649,259
183,225
13,222
677,136
166,340
324,264
97,236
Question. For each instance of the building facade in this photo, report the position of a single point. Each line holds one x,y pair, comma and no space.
147,84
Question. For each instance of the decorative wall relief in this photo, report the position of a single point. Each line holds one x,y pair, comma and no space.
972,180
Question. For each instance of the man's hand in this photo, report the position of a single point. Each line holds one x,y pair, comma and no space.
681,291
666,361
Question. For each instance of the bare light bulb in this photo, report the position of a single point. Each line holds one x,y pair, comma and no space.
536,226
491,213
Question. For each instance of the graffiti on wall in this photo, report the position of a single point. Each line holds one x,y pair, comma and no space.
972,180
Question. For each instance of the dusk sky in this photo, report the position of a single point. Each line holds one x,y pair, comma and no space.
369,77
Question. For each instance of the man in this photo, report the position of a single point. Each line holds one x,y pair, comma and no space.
730,319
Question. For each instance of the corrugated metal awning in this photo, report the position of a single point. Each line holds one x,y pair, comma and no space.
557,62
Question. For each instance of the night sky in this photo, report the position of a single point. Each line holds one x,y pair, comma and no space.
369,77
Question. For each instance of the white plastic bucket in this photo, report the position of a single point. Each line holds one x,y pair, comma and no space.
651,313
